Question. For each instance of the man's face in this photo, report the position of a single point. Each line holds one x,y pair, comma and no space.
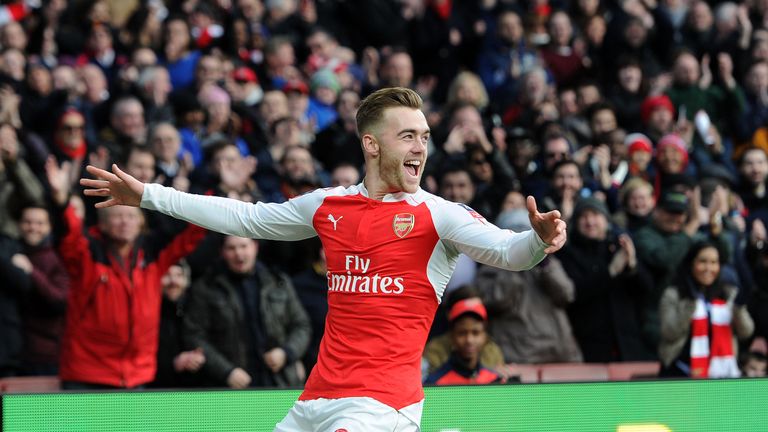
754,167
166,143
757,79
458,187
141,165
298,164
122,224
640,201
566,180
510,28
668,222
240,254
480,166
686,70
603,121
129,120
630,78
347,105
402,137
34,225
174,282
554,151
345,175
226,159
592,225
274,106
468,336
209,70
399,70
660,120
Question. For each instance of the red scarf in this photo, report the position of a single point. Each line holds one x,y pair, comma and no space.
712,358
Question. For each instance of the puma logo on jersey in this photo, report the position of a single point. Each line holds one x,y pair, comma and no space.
334,220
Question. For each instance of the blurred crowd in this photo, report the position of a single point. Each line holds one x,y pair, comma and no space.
645,122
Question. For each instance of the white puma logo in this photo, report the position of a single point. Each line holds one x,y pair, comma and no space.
334,220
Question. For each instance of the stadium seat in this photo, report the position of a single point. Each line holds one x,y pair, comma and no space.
624,371
569,372
527,373
35,384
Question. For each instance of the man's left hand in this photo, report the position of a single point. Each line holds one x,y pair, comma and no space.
548,226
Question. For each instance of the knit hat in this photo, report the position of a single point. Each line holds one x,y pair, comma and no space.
638,142
244,74
590,203
652,103
212,94
673,140
324,78
297,86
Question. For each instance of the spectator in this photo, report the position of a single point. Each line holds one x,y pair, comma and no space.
127,128
469,320
43,309
610,283
248,321
338,143
637,203
526,310
701,319
18,185
175,366
103,325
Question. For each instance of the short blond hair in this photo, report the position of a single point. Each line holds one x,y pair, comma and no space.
372,107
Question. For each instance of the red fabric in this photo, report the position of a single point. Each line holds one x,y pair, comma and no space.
443,8
360,355
113,315
719,345
17,10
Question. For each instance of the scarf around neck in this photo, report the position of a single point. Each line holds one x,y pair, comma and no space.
712,354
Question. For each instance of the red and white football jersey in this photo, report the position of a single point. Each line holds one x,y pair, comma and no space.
388,264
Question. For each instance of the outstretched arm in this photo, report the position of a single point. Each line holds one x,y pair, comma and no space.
290,220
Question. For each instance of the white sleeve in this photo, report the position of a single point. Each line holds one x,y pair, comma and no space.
467,232
291,220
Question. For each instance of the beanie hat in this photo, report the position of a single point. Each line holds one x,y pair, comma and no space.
638,142
652,103
324,78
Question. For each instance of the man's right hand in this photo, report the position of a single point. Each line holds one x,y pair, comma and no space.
238,379
121,188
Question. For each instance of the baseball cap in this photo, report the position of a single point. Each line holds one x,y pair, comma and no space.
470,305
244,74
673,202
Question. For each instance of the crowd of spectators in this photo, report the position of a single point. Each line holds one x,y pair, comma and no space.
645,122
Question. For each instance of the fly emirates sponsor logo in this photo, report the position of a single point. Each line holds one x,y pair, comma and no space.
360,281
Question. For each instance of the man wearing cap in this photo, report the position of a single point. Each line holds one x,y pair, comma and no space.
468,320
661,247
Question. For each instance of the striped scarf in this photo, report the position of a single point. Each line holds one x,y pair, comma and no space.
712,358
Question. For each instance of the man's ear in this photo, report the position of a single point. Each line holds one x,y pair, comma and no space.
370,144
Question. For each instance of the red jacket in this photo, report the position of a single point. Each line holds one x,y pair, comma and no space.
113,316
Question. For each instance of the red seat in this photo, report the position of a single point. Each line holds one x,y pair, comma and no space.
527,373
624,371
34,384
573,372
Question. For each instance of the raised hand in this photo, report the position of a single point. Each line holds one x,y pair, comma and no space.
121,188
548,226
59,179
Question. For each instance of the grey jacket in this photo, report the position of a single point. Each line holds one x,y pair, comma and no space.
675,314
527,315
